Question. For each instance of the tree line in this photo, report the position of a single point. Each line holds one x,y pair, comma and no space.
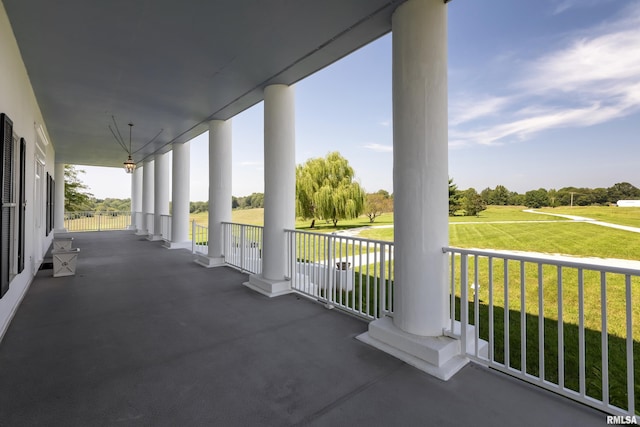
470,202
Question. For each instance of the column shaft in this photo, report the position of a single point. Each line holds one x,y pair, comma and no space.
58,213
136,199
160,193
147,196
279,178
220,173
421,197
420,166
181,171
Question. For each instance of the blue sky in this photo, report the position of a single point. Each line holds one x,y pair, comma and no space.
542,93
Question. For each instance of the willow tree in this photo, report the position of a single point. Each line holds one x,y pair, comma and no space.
76,195
326,189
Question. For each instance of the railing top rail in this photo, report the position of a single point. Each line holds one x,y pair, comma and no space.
244,225
357,239
547,259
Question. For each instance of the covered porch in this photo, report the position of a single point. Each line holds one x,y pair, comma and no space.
144,336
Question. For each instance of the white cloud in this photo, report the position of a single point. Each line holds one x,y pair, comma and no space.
385,123
591,79
564,5
465,109
380,148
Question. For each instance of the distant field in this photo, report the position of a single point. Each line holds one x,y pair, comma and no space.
613,214
256,217
504,213
571,238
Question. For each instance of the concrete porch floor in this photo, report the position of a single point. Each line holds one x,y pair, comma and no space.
141,335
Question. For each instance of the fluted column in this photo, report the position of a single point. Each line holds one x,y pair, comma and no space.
136,190
279,189
160,194
220,171
421,200
146,226
58,210
180,175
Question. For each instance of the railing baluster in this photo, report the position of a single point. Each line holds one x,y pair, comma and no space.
376,281
581,346
604,336
383,287
540,324
506,312
360,305
368,280
630,368
560,332
491,326
352,275
452,263
193,237
523,321
464,301
476,306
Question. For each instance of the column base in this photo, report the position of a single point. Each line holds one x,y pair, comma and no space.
209,262
154,237
60,231
142,233
270,288
177,245
438,356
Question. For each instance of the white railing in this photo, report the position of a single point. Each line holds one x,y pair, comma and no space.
564,325
150,223
243,246
352,274
165,227
199,238
96,221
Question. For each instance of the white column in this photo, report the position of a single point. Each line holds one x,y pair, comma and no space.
136,199
279,189
58,211
134,190
181,172
420,182
220,173
147,198
160,194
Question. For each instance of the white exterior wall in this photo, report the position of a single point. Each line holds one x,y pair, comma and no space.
19,103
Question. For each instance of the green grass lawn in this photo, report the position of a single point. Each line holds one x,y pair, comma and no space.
569,238
256,217
504,213
613,214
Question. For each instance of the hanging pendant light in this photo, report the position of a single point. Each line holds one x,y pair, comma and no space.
129,165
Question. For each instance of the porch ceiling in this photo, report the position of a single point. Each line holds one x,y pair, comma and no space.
173,65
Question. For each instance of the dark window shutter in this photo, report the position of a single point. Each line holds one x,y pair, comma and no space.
22,204
53,204
6,197
48,206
